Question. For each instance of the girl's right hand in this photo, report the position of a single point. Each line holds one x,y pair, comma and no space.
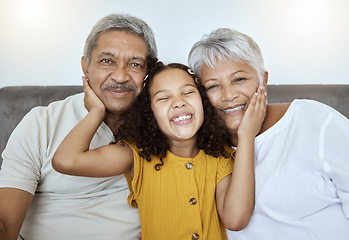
91,101
254,116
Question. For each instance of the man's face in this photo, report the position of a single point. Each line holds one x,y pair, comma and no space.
117,69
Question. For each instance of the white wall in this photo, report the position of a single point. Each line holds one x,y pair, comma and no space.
303,41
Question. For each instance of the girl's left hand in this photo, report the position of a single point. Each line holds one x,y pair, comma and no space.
253,118
91,100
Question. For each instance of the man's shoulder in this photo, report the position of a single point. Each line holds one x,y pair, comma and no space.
76,100
73,101
69,109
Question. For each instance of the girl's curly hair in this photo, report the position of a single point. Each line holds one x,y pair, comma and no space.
140,126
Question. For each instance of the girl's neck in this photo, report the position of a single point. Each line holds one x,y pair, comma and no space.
184,149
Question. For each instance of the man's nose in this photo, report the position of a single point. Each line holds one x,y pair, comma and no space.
119,74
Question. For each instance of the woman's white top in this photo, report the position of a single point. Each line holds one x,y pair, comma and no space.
302,177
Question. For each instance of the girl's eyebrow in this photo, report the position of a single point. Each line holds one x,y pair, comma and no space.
165,90
160,91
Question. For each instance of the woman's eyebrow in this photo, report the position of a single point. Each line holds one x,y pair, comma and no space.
232,74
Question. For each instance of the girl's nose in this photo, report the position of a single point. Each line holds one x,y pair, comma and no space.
179,102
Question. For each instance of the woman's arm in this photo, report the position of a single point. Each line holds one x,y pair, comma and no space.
73,156
235,193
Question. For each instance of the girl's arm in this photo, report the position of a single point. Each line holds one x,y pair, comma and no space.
73,156
235,193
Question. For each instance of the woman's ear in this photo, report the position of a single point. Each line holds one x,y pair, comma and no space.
265,80
84,66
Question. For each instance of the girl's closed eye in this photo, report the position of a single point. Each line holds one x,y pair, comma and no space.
188,92
162,99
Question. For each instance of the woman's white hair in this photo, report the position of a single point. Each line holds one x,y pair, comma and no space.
224,44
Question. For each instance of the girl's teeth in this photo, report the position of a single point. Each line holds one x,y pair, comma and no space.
181,118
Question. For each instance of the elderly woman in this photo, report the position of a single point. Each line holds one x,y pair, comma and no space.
301,151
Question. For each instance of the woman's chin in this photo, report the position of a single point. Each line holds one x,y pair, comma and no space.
233,124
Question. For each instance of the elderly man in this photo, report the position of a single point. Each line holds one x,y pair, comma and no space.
38,203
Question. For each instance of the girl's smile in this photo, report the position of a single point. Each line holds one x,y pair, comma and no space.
181,119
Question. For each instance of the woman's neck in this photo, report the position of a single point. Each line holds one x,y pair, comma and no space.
234,139
274,113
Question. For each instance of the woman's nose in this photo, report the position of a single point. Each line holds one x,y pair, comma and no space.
228,93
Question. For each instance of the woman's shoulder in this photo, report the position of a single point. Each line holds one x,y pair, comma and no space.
306,108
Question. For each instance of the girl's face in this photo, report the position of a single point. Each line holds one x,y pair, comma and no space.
176,104
230,87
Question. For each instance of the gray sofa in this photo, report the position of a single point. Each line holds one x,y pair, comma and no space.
15,102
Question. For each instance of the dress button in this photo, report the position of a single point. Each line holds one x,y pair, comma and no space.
193,201
189,166
195,236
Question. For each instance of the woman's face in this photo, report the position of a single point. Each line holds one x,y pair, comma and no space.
176,104
230,87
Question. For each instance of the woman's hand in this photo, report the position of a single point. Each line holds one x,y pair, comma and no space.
91,101
253,118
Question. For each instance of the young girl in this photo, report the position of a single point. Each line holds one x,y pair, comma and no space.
174,157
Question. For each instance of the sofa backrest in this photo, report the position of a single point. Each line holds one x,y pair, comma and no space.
16,101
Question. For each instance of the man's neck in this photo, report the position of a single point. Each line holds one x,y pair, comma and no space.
113,121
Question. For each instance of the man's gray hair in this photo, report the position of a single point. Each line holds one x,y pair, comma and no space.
225,44
120,22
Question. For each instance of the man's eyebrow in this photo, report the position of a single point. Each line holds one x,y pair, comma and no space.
109,54
138,59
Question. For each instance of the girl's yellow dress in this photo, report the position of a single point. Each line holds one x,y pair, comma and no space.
178,202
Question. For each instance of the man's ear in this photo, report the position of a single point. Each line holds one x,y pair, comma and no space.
84,66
